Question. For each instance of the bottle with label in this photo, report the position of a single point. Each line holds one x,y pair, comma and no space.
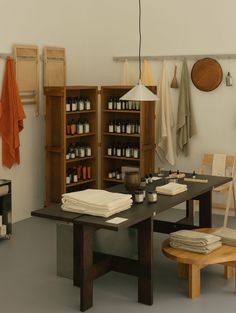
136,152
128,128
72,151
81,105
109,150
110,104
118,127
84,172
68,176
68,154
115,104
111,127
229,80
87,105
118,150
77,147
89,173
127,152
118,105
80,128
73,127
79,172
88,151
81,152
75,175
86,127
74,105
68,104
68,128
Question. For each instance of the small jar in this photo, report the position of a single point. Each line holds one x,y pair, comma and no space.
109,175
118,175
143,182
152,196
138,196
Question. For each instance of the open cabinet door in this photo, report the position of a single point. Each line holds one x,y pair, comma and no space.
27,74
54,67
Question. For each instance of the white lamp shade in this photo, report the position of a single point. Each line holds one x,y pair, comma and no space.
140,93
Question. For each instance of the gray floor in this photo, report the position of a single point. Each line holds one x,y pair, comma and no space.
28,281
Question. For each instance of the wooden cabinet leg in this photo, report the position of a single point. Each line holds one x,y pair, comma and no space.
182,271
228,272
194,281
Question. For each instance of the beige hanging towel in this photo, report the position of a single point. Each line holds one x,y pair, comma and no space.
147,76
128,76
185,120
165,122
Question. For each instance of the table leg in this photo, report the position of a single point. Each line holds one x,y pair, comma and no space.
145,259
205,210
194,281
190,211
182,271
83,262
228,272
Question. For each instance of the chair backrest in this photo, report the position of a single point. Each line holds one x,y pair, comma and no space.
230,164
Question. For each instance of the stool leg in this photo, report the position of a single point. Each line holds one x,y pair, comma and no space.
182,271
228,272
194,281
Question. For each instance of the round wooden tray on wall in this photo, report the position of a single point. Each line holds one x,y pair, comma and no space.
206,74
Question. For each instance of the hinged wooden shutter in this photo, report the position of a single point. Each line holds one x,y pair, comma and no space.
54,67
26,60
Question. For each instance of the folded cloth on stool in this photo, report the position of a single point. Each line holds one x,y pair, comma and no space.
228,236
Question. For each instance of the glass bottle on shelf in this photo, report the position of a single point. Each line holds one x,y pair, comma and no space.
109,150
74,106
73,127
68,176
75,175
80,128
111,127
68,104
81,105
88,151
87,105
72,151
86,127
110,104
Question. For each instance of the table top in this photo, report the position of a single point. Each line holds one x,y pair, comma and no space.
138,212
221,255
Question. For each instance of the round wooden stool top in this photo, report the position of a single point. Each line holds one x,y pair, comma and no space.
222,255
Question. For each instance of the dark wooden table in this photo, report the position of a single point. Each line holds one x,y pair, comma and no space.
89,265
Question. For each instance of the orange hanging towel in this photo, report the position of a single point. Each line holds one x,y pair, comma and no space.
11,118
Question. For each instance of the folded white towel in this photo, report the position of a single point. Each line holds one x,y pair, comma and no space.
96,202
96,198
193,237
228,235
203,250
171,189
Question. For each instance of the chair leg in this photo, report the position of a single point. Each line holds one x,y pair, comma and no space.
234,200
228,205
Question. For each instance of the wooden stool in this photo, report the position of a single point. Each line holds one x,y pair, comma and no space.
191,263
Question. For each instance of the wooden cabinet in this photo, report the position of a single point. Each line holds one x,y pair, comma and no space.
131,126
71,140
5,209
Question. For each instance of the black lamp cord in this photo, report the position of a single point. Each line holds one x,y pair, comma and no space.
140,40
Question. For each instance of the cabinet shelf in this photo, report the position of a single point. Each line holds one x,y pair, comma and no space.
79,159
121,158
122,135
120,181
122,111
81,182
145,139
80,112
57,141
80,135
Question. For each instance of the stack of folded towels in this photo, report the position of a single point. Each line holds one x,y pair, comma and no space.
194,241
228,236
96,202
171,189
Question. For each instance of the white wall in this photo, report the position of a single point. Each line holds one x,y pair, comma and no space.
92,33
43,23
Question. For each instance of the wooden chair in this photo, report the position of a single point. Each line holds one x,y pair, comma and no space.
228,188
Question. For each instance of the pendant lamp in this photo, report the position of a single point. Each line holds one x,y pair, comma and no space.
140,92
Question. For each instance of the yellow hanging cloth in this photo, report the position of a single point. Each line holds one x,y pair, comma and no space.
128,75
147,76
